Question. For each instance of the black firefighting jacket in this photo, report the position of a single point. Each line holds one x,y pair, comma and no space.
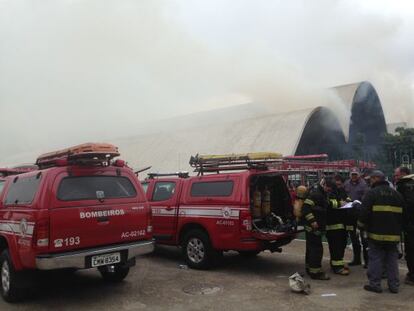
315,208
382,214
405,186
337,217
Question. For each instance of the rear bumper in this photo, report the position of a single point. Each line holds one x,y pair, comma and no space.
77,259
262,242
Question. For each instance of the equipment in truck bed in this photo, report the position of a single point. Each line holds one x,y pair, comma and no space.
91,153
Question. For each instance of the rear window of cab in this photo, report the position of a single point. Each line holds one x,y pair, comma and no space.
212,191
95,187
22,190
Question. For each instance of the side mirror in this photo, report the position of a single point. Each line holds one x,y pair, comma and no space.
100,195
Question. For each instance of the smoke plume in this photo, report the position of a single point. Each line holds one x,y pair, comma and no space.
73,71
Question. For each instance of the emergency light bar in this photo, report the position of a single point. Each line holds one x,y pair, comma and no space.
89,153
230,162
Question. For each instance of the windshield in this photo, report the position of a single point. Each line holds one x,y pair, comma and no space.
95,187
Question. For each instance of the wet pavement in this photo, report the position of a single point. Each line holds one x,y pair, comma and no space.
160,282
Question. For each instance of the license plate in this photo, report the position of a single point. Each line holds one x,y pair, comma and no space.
107,259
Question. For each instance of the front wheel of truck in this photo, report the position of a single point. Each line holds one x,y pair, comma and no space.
10,290
114,273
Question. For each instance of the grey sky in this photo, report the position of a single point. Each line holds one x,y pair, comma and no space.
79,70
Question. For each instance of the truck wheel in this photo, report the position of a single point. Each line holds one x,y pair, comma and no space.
249,254
9,289
114,273
198,251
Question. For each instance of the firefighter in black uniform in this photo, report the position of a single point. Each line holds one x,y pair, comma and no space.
314,213
405,186
335,227
382,217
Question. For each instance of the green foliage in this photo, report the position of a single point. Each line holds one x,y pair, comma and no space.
399,146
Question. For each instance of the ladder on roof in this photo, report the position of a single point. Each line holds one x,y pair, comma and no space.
89,153
234,162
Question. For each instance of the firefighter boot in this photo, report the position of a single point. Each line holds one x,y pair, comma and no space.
320,276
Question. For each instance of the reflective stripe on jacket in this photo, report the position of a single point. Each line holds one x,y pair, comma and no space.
381,214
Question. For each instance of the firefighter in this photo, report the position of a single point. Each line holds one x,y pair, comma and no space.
381,216
356,188
405,185
314,214
335,227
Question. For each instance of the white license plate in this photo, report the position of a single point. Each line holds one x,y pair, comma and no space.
107,259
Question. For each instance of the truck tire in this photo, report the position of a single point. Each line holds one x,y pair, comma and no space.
249,254
198,251
10,290
114,273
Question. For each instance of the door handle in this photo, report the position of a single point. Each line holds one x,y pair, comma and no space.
169,208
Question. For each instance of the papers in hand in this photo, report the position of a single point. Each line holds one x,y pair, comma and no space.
351,204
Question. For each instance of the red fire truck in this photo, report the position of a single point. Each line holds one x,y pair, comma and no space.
81,209
306,170
236,203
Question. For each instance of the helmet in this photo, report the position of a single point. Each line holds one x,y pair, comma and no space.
301,192
297,284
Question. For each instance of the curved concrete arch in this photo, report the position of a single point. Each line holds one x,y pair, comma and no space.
322,133
351,130
366,113
170,150
367,123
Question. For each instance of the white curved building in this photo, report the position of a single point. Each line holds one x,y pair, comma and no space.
309,131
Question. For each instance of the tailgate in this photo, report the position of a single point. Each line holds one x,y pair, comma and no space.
272,236
90,211
91,226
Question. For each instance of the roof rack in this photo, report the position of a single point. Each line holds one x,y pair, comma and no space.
137,172
6,171
178,174
310,157
232,162
89,153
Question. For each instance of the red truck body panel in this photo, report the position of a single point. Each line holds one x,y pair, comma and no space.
73,224
227,219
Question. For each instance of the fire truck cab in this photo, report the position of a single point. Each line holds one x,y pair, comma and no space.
81,209
235,203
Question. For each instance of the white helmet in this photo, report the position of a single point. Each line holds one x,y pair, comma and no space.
298,285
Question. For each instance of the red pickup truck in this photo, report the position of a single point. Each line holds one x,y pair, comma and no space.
80,210
209,214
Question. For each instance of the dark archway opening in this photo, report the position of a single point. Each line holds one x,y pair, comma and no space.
367,125
323,134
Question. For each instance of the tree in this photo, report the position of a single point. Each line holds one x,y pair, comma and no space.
399,147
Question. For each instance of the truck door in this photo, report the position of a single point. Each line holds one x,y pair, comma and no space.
164,204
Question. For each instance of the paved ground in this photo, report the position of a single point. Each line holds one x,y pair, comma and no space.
158,283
